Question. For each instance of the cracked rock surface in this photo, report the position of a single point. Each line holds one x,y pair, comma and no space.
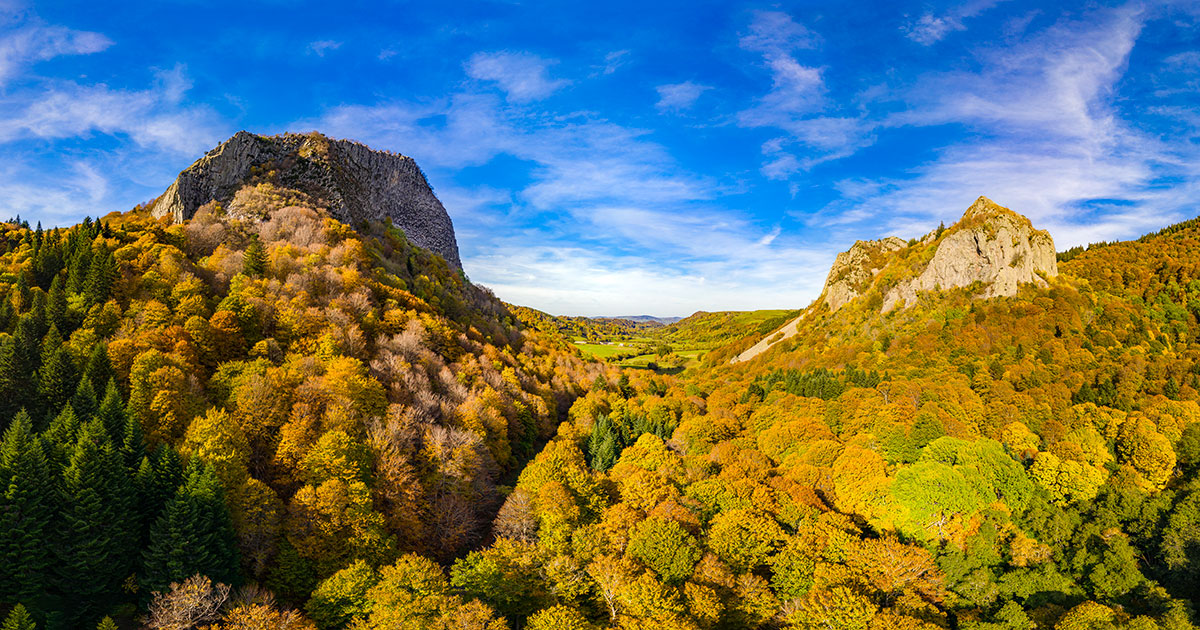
354,182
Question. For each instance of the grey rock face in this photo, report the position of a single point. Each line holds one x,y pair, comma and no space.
354,182
990,244
853,270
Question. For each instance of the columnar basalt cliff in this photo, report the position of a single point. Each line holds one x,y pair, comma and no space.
991,245
355,183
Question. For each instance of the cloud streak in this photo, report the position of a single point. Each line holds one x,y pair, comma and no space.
522,76
34,42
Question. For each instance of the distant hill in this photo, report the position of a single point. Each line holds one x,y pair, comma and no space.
644,319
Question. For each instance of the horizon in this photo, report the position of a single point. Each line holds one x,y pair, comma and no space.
608,160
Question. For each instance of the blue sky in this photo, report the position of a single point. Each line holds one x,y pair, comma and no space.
634,157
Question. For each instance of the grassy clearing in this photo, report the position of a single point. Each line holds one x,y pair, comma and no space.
602,350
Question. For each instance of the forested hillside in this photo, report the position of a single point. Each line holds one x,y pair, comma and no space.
260,403
1005,463
288,423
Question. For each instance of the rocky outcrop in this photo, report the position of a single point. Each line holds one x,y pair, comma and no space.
355,183
855,269
991,245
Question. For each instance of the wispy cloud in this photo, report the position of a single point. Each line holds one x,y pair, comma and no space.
606,221
931,28
679,96
522,76
323,46
796,103
1047,139
34,41
614,60
152,118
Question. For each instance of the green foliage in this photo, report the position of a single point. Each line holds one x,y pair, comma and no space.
18,619
192,535
664,546
342,597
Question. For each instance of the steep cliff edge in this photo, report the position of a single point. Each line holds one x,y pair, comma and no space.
854,270
353,181
991,245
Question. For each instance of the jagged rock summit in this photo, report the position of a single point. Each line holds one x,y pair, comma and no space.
990,244
355,183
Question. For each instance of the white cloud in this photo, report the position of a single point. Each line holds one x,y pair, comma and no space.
323,46
1045,137
614,60
577,281
39,42
679,96
151,118
607,222
775,33
930,29
522,76
797,103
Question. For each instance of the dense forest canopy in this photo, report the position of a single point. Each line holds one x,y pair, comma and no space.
295,423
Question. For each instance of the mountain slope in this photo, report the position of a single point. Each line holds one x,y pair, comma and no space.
354,183
1026,461
260,393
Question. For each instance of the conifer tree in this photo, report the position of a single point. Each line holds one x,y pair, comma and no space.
255,259
602,447
95,546
133,445
60,437
56,306
18,619
78,267
99,368
112,412
84,401
57,381
100,277
26,510
194,534
10,380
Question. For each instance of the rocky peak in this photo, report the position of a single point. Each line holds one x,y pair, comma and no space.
354,182
854,270
990,244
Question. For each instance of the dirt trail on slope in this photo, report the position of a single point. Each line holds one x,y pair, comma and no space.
789,329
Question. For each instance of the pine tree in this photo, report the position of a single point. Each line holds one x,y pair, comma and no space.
84,401
58,381
133,444
156,481
18,619
112,413
96,543
255,259
9,380
77,268
61,436
100,278
56,307
602,447
194,534
21,292
106,623
99,368
26,510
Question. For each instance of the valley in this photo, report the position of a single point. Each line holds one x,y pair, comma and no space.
254,414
